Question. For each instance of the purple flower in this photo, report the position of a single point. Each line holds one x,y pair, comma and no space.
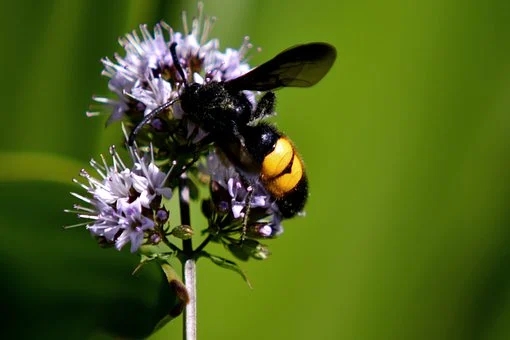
145,77
121,202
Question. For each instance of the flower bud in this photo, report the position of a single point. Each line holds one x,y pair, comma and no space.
184,232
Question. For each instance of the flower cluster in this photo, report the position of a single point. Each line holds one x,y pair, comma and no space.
231,195
125,204
238,207
146,77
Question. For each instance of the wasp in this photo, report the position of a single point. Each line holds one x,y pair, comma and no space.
257,149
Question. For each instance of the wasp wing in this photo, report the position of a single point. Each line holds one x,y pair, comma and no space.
298,66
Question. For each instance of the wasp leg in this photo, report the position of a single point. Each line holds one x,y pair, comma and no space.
265,106
147,119
246,213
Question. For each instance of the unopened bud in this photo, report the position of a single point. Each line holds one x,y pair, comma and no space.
184,232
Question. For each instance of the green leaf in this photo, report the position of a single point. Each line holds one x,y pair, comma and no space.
227,264
249,248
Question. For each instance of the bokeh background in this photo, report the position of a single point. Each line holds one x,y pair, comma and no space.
406,142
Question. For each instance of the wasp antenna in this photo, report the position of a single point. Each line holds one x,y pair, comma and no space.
147,119
177,64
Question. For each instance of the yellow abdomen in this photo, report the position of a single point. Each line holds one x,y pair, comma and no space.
282,169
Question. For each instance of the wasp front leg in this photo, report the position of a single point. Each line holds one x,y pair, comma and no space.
265,106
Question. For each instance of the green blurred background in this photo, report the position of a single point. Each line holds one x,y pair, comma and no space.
407,233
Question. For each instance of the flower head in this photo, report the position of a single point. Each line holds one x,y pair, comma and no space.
236,199
146,77
122,203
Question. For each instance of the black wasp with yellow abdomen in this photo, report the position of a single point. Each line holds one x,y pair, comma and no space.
257,150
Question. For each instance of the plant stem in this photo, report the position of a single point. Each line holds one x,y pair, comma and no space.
190,312
185,212
203,244
189,272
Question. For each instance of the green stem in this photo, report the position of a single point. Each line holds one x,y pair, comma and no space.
171,245
203,244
